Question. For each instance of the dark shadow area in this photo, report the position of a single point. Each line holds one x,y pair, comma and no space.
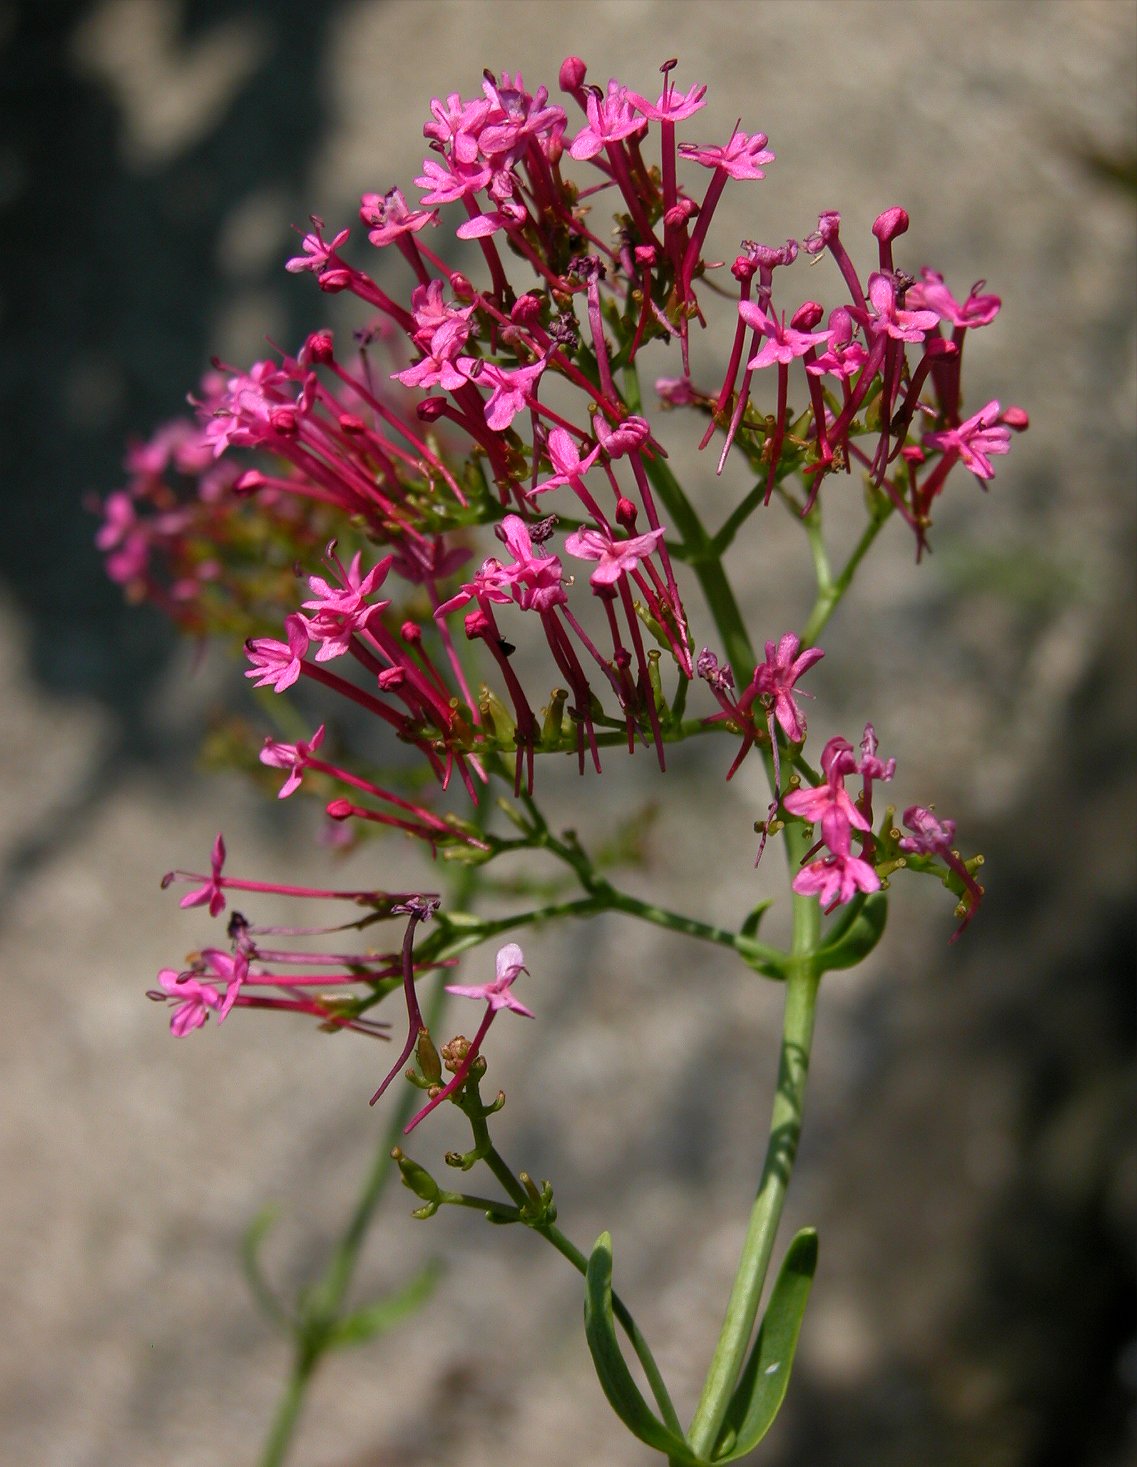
110,290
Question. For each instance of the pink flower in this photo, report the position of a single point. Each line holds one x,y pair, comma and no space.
211,892
193,1001
783,343
610,118
836,879
673,105
829,803
616,557
536,579
318,253
343,609
930,293
277,664
293,757
742,157
976,440
232,969
510,962
776,677
899,323
389,217
511,389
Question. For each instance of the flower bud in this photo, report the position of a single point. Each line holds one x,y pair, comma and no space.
430,1066
571,76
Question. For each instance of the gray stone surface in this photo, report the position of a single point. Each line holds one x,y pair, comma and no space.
967,1156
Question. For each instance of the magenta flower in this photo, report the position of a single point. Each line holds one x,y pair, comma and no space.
536,579
193,1001
774,680
930,293
829,803
896,321
616,557
933,837
277,664
976,440
744,156
782,342
343,609
232,969
836,879
388,216
511,389
610,118
293,757
510,961
318,252
211,892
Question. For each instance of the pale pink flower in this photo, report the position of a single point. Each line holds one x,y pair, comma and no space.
510,962
616,557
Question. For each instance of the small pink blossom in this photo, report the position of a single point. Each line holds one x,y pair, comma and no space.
976,440
774,680
610,118
318,252
193,1001
211,892
782,342
930,293
836,879
829,803
511,389
510,962
616,557
744,156
388,216
895,320
277,665
293,757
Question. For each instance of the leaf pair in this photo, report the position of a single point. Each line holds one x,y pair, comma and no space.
761,1388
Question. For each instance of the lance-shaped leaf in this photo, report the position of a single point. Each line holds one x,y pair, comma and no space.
853,939
375,1319
761,1388
611,1368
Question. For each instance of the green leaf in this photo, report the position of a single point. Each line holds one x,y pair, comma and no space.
761,1388
262,1291
749,928
611,1368
375,1319
852,942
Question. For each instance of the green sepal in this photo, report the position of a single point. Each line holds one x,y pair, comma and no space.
761,1387
855,936
611,1368
375,1319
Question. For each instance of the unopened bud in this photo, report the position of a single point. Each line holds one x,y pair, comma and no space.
430,1066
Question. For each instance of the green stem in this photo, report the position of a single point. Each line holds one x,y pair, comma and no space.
785,1129
830,590
325,1301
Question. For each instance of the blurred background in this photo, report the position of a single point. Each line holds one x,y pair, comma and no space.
969,1152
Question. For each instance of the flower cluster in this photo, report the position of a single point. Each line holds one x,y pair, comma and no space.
289,979
486,400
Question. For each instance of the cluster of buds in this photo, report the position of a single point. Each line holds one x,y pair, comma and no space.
516,405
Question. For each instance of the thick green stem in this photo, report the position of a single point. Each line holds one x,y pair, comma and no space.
765,1215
